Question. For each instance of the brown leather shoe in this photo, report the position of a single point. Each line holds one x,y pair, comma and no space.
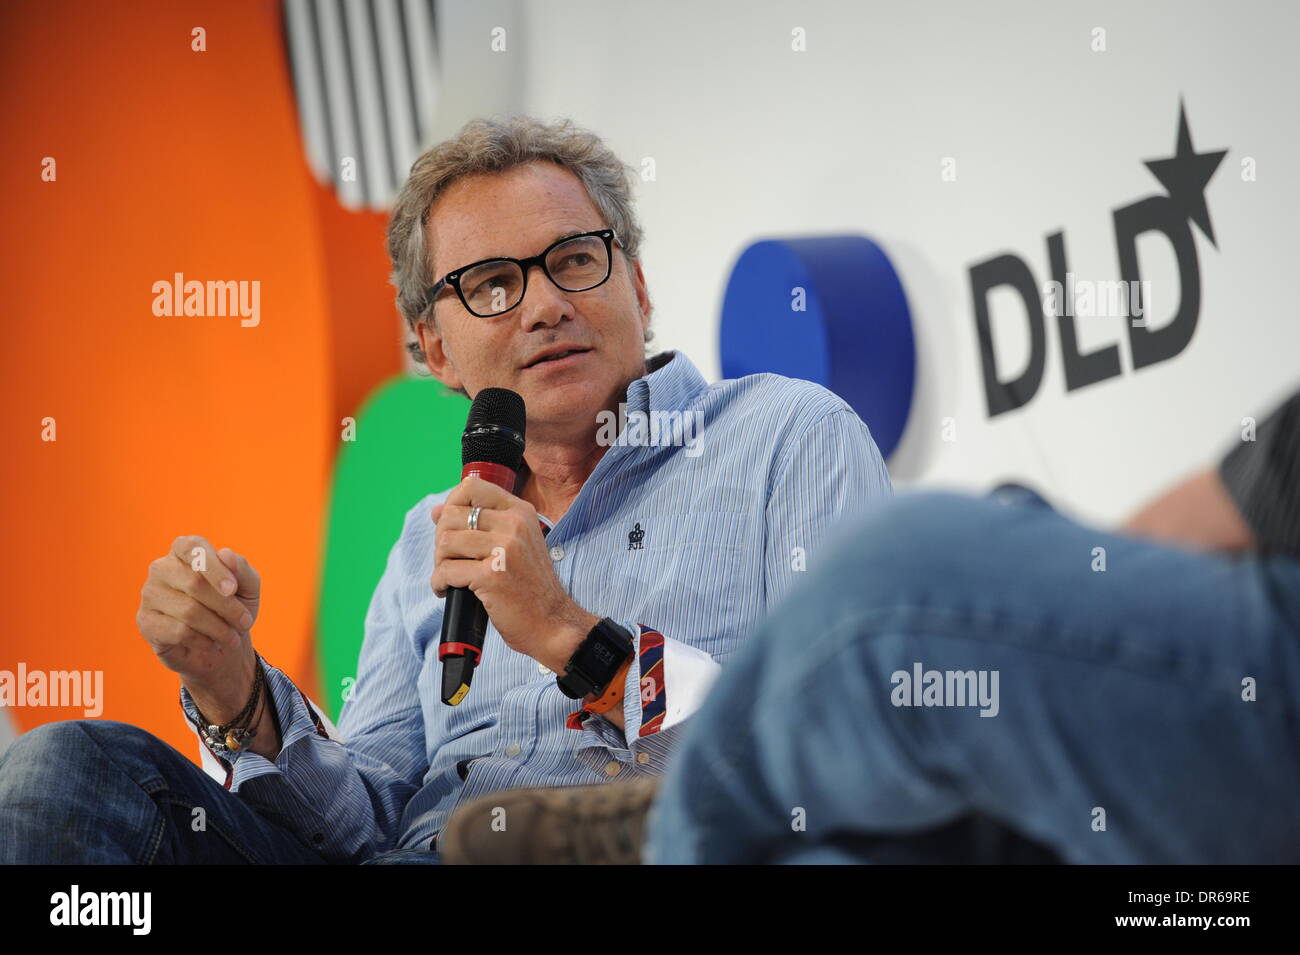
600,824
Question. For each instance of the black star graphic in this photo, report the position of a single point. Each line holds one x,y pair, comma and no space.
1185,176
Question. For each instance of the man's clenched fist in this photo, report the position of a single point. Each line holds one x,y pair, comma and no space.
196,609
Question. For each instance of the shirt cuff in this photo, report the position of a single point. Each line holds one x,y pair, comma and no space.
215,766
666,682
297,717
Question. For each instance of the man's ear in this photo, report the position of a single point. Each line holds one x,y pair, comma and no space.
435,355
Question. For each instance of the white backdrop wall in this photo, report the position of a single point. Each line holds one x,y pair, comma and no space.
752,139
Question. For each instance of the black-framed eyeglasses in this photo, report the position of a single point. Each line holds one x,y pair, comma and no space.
491,287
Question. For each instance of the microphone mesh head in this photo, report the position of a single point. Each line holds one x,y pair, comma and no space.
498,408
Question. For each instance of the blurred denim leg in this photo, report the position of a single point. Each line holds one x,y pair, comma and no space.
1012,494
104,792
1120,703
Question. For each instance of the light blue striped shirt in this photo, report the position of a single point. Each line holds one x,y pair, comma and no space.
694,539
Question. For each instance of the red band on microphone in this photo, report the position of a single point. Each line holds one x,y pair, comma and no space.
497,474
459,650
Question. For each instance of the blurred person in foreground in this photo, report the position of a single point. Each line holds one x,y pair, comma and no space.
1144,712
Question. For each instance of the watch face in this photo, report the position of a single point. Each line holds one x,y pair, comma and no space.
603,654
593,660
598,657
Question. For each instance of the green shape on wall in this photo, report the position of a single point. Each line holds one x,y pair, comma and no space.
407,446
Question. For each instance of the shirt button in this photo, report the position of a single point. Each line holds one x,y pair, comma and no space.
512,749
543,669
557,552
612,768
643,758
318,837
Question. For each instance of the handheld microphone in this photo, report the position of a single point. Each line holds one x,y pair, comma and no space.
492,447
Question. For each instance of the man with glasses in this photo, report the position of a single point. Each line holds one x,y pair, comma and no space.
616,576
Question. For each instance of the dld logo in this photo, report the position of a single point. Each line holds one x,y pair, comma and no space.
1184,177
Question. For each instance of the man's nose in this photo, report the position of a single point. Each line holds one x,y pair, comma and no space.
545,303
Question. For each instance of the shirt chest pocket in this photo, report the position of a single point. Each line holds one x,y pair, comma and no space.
694,573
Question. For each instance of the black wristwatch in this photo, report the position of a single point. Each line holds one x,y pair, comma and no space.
596,660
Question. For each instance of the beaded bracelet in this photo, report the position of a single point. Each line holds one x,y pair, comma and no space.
234,736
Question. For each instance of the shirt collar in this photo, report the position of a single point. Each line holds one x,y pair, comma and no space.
671,383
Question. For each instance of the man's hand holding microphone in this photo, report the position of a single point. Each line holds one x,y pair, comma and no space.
197,608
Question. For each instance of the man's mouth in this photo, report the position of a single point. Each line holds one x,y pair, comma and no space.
557,356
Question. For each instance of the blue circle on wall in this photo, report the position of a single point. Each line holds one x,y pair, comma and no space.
853,336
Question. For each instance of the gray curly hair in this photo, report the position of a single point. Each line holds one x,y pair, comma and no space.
489,145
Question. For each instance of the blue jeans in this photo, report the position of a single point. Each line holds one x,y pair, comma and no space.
1127,726
103,792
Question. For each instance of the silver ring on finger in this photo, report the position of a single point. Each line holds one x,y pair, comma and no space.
473,517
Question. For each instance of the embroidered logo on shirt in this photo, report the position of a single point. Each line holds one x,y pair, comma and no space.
634,537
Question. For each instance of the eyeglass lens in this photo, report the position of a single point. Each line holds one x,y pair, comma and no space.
575,265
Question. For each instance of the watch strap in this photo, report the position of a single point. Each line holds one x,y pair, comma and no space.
613,695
